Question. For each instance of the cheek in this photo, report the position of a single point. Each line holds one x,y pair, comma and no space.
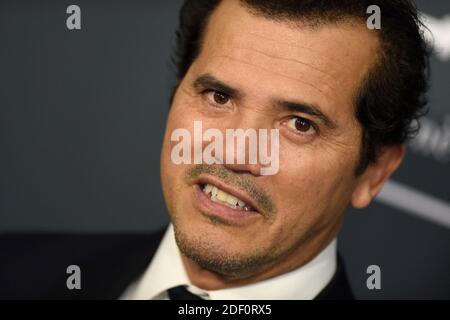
180,117
172,173
308,184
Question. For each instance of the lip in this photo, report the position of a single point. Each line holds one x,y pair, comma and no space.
203,179
221,212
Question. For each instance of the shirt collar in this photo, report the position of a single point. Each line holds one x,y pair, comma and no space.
167,270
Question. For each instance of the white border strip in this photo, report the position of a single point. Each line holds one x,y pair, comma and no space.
415,202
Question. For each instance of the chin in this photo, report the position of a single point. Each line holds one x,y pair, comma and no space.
212,254
213,248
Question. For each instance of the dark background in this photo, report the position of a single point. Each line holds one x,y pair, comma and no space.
82,117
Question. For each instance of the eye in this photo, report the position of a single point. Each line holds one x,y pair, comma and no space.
301,125
217,98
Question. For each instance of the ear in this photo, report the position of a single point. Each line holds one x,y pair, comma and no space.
376,174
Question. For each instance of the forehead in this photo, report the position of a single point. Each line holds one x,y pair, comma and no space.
325,65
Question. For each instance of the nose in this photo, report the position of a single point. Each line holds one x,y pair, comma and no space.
253,169
243,142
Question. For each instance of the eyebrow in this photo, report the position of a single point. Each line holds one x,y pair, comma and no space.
208,81
307,108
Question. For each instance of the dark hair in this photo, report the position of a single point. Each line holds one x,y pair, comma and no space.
391,98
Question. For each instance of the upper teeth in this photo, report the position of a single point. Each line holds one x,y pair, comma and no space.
218,195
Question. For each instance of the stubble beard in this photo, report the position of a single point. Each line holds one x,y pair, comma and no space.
233,266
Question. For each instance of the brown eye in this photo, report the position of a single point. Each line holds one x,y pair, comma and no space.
302,125
220,98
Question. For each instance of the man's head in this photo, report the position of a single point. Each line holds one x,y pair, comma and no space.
342,97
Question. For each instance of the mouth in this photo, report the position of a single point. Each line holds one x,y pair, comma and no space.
222,200
218,195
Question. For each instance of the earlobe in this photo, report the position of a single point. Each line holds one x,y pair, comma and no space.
373,179
361,196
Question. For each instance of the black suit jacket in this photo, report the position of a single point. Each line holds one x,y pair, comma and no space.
33,266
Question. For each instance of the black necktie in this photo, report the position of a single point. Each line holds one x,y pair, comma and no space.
181,293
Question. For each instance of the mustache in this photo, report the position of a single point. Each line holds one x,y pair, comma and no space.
238,181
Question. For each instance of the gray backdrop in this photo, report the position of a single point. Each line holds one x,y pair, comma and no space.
82,116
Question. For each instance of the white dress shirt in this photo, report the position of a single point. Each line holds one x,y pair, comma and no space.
166,271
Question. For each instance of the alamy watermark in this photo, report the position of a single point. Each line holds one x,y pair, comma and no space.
374,280
73,281
189,150
374,20
73,22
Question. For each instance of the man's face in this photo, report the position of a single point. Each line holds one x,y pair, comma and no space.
256,73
